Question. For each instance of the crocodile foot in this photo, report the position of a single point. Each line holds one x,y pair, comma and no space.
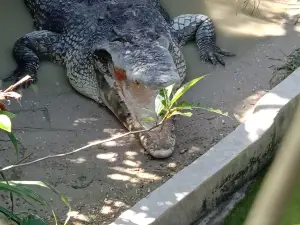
217,56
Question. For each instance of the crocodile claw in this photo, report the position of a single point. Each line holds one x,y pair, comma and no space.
217,56
224,52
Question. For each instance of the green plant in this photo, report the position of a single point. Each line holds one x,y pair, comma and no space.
21,188
166,105
290,64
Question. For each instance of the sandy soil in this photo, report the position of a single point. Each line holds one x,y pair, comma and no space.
104,181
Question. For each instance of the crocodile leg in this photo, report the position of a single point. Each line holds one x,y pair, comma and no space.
201,28
33,47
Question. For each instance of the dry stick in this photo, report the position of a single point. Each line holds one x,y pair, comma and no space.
8,93
12,87
269,206
82,148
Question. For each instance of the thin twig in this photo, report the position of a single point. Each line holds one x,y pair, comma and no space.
9,93
14,86
80,149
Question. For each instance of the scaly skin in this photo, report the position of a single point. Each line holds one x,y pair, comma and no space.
110,47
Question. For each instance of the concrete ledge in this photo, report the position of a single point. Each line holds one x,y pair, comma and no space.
207,182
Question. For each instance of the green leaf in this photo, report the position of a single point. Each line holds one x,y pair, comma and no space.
214,110
148,119
166,93
64,199
10,215
159,106
5,123
9,114
42,184
33,220
14,141
184,89
188,114
54,216
20,188
185,105
23,191
169,90
162,100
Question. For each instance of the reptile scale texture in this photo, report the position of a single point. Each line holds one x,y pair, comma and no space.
110,47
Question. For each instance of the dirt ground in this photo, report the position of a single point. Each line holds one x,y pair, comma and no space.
103,181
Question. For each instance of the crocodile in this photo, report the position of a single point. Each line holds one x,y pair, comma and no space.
118,53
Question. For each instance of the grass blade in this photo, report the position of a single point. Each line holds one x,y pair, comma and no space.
22,191
50,187
33,220
10,215
32,195
9,114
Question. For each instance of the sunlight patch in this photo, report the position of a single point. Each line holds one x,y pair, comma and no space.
132,163
122,177
110,156
263,116
84,121
180,196
78,160
76,215
138,172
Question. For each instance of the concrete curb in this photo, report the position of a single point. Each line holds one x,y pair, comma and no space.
197,189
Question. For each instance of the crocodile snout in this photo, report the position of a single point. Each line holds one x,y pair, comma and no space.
160,142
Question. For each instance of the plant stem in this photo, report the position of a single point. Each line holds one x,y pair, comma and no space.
82,148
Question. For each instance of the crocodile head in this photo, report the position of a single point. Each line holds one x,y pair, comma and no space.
137,63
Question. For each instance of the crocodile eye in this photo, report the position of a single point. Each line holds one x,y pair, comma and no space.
102,55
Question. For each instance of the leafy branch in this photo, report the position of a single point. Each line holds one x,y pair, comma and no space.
20,188
165,102
5,116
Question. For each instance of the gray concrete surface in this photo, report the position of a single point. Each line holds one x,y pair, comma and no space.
106,180
200,187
